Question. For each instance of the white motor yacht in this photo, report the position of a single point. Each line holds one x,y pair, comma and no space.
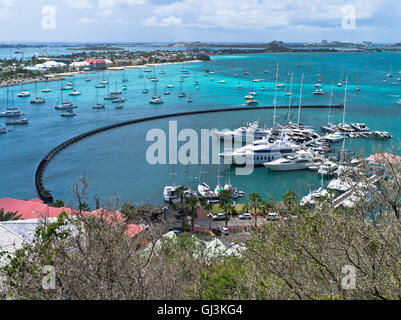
74,93
260,154
313,196
334,137
299,161
205,191
24,94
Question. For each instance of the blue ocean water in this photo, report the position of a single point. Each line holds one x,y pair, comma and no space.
115,162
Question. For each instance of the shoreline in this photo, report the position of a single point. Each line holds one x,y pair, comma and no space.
60,76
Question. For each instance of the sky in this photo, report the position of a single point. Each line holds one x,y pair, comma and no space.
199,20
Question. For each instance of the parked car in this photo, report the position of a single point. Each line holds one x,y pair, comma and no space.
217,232
225,231
246,216
272,216
220,216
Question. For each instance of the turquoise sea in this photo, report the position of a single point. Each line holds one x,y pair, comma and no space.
114,161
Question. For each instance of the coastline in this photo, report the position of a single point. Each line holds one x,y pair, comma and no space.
61,76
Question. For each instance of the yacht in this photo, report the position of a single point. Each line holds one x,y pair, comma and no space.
145,91
10,113
65,106
319,92
100,85
205,191
67,88
46,90
38,100
261,153
166,92
249,132
222,81
88,79
118,100
398,101
98,106
249,97
24,94
279,85
189,99
156,101
119,106
169,193
75,93
17,121
3,130
181,95
125,88
313,196
68,113
360,127
170,86
299,161
251,102
334,137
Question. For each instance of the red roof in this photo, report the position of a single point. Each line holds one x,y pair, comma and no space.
92,60
36,209
384,157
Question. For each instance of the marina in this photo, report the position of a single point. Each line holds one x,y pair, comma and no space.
359,113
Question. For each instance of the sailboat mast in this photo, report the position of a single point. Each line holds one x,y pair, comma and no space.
345,98
300,100
331,100
275,98
289,103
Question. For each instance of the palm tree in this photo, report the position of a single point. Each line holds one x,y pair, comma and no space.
207,207
255,198
191,203
9,215
224,197
180,194
265,206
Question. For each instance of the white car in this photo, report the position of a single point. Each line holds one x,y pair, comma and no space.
245,216
225,231
219,216
272,216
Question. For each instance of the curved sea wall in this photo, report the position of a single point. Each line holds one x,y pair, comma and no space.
46,196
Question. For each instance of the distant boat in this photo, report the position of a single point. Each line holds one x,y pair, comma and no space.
68,113
17,121
222,81
46,90
37,100
98,105
189,99
74,93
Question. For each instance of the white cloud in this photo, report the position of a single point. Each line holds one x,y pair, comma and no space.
260,14
86,21
6,6
106,7
169,21
79,4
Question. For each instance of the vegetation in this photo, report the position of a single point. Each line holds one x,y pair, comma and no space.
9,216
327,252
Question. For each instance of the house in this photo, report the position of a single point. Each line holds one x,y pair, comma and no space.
99,64
37,209
79,65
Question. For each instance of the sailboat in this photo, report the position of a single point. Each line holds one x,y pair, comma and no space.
145,90
98,105
64,105
330,126
218,188
46,89
116,91
15,118
37,100
205,190
24,93
124,79
156,99
181,94
110,96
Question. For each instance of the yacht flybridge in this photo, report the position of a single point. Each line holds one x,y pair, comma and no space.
260,153
299,161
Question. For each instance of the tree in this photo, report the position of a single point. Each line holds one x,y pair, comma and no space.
180,191
59,203
191,203
224,198
290,199
9,215
265,206
254,199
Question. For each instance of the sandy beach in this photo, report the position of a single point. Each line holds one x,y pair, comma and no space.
61,76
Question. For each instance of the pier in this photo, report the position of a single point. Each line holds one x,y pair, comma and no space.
48,198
